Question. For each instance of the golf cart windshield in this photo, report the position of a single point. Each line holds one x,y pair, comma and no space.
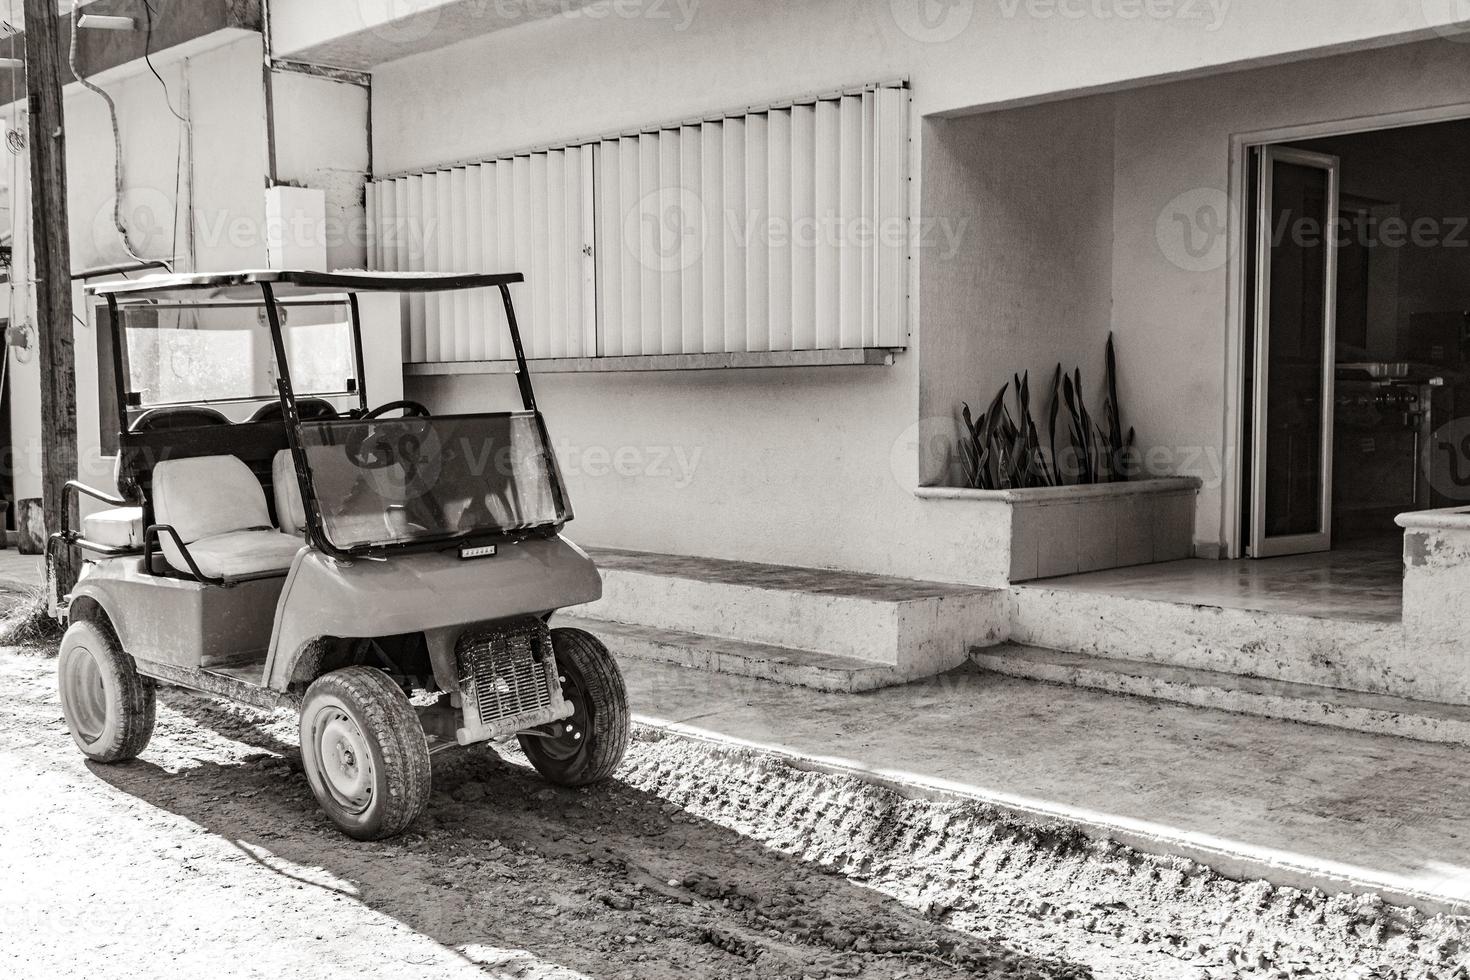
217,352
392,481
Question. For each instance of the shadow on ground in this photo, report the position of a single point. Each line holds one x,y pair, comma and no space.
611,881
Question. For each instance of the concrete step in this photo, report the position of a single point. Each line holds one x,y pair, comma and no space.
798,668
914,628
1312,704
1330,652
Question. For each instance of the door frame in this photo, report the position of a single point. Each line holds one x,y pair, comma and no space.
1320,540
1239,287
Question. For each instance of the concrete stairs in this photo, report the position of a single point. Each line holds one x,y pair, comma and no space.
828,630
1309,703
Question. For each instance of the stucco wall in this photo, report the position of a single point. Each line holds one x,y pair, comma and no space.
322,142
1029,283
787,449
1173,156
615,65
228,166
1076,211
321,136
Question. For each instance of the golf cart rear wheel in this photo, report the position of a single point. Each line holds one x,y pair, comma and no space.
588,746
364,753
109,707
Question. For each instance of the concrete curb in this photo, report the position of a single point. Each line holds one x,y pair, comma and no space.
1232,861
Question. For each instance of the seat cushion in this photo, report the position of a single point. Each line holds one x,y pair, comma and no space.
290,511
117,527
209,497
234,554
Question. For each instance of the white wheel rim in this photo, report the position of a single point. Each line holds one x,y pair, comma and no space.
83,692
344,764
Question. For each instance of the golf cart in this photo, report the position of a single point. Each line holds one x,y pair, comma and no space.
280,541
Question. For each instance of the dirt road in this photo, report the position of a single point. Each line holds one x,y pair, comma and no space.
209,856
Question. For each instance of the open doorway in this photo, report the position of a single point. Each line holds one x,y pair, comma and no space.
1357,353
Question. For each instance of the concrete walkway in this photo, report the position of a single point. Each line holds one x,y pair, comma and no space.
19,572
1294,804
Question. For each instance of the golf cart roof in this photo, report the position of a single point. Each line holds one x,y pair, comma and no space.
286,283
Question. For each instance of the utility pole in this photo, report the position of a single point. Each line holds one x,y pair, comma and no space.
51,247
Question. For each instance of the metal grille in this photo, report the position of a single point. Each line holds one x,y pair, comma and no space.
506,670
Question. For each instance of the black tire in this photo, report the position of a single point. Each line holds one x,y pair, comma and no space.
355,712
109,707
587,747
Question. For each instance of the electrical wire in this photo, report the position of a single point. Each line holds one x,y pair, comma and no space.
148,59
117,157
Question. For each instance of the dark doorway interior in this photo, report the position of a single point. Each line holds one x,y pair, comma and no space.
1401,360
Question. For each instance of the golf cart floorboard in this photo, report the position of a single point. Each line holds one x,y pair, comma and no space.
212,682
799,668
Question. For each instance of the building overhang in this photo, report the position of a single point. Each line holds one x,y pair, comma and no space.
179,27
362,34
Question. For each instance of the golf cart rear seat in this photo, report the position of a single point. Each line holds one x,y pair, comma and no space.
216,509
116,527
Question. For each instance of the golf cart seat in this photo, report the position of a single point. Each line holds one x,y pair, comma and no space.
115,527
290,510
307,409
217,507
177,417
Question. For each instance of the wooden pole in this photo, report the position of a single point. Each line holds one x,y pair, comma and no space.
51,247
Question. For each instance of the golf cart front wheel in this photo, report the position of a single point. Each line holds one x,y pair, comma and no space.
588,746
364,753
109,707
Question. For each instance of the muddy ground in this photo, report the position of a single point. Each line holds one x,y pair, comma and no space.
208,856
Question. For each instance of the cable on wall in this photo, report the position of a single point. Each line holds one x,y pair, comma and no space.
117,168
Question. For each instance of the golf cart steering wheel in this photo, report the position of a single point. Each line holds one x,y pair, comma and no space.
378,447
411,409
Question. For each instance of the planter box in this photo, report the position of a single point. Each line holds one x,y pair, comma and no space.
1065,530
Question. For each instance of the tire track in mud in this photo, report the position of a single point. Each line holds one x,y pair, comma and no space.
698,861
1046,887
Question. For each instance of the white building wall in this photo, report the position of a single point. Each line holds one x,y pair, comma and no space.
785,450
221,91
321,142
1171,312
